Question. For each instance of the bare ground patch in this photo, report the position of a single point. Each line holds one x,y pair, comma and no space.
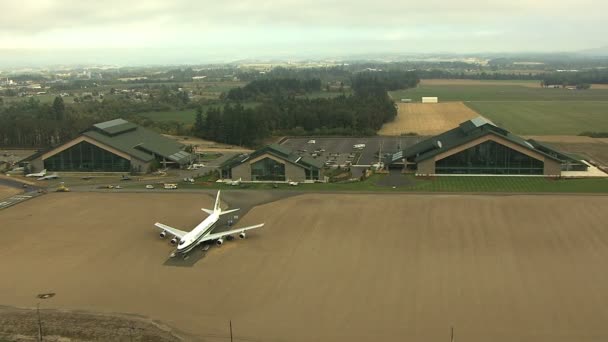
325,267
7,191
427,118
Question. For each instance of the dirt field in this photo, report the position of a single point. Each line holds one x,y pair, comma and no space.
497,268
427,118
6,191
529,84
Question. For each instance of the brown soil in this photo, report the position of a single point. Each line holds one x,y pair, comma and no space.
428,118
6,191
325,267
599,86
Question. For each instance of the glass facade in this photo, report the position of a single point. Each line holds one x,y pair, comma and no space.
86,157
489,158
312,174
267,170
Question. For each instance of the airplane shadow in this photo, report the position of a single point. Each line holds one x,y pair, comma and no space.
191,258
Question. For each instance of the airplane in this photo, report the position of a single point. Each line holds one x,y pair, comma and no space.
38,174
53,176
187,241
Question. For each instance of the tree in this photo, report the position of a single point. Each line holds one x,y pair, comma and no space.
199,126
58,108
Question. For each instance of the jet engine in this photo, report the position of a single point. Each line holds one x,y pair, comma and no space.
163,234
219,241
174,241
242,235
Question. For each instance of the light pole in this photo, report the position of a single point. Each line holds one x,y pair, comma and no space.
39,322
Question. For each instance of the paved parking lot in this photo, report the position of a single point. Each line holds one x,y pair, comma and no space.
342,147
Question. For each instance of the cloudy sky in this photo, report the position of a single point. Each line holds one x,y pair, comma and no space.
191,31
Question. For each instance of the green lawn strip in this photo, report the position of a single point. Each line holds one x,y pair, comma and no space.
467,184
545,117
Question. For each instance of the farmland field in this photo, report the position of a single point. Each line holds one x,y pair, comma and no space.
465,82
409,267
498,93
546,117
519,108
427,119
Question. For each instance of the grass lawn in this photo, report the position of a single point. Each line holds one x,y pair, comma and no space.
510,184
184,116
498,93
546,117
438,184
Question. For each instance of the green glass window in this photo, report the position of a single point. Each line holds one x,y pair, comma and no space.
312,174
87,157
489,158
267,170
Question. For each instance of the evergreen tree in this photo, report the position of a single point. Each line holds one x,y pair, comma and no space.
58,108
199,127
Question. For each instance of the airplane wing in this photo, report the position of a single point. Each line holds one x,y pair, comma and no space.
171,230
215,236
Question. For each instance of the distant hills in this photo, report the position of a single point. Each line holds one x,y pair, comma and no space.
599,52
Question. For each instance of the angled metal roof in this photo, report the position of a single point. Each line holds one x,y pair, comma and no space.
465,132
116,126
277,151
137,141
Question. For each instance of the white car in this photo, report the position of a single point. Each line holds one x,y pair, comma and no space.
293,183
118,187
312,141
149,186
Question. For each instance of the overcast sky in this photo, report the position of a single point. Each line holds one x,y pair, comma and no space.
190,31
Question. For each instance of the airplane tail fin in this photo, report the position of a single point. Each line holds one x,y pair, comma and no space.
216,207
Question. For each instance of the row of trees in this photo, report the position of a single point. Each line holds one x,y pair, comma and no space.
363,113
259,90
580,79
381,81
444,74
30,123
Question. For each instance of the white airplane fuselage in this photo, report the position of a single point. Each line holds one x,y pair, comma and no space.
191,239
